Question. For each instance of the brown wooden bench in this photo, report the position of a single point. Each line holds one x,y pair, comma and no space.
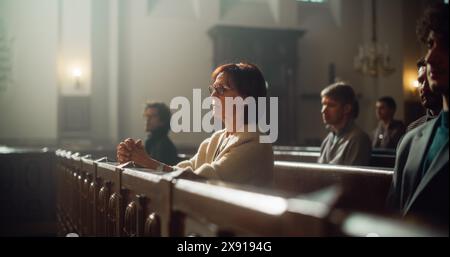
88,196
27,192
146,197
363,188
208,209
75,181
377,159
108,202
128,201
62,229
142,206
296,156
384,158
76,193
67,170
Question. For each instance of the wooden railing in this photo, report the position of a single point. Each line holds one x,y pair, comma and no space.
102,198
379,157
362,188
27,192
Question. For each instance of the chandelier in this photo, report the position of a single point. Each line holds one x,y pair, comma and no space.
373,59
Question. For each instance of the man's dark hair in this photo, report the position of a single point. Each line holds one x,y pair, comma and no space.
163,113
435,18
389,101
344,94
421,63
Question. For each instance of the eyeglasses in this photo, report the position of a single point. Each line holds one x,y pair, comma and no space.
219,89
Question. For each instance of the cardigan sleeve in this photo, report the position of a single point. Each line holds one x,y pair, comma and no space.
193,163
242,164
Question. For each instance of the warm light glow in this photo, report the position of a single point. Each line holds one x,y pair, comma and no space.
272,205
76,73
410,83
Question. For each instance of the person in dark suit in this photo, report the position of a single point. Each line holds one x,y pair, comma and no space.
431,101
420,186
157,124
389,131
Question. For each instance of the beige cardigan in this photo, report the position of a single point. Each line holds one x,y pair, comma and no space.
239,159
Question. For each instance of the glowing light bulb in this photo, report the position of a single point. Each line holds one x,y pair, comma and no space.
76,73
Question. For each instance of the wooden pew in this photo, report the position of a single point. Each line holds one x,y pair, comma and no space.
27,192
80,184
67,189
146,198
127,201
296,148
63,187
142,206
296,156
76,196
363,188
218,209
108,202
379,158
69,196
208,209
62,229
87,195
382,160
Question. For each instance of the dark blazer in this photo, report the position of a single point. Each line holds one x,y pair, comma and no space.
159,146
390,137
427,197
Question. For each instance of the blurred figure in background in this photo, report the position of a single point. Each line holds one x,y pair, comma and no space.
158,144
389,131
346,144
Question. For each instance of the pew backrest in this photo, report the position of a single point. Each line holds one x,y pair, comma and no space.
382,159
363,187
204,209
109,200
146,197
88,196
104,199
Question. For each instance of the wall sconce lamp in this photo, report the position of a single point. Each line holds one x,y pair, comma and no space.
414,87
76,74
410,83
415,84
